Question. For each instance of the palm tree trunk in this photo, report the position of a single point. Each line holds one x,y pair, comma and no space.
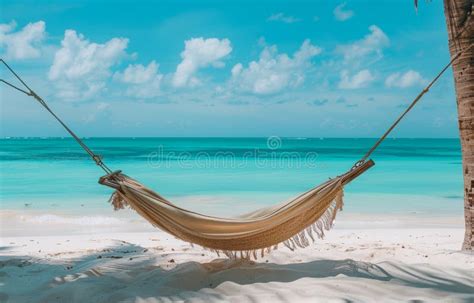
461,35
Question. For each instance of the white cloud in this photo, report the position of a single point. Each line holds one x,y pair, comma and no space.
371,44
138,74
23,44
283,18
96,111
199,53
143,81
273,71
237,69
342,15
410,78
359,80
81,68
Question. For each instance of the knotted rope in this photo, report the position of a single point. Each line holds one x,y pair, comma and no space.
412,104
29,92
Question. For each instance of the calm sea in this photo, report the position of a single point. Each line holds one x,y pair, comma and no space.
230,175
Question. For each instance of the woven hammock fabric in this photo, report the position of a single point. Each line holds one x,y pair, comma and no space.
293,223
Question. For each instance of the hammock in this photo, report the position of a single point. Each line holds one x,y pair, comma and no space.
292,223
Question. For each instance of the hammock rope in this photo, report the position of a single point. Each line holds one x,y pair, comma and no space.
412,104
291,223
97,158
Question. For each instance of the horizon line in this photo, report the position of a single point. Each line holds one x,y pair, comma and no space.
211,137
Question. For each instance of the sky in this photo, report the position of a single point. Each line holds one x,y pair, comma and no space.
226,68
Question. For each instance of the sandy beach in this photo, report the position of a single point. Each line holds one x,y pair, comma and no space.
328,144
360,260
393,242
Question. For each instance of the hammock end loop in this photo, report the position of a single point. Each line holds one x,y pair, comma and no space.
358,163
111,179
360,167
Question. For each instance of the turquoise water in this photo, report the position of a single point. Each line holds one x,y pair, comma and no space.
422,175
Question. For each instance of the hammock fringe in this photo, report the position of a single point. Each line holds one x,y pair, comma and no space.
299,240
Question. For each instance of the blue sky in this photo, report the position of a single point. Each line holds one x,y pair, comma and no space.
226,68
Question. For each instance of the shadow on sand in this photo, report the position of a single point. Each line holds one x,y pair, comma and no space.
128,272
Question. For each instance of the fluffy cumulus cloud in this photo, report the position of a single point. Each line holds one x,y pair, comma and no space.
22,44
359,80
280,17
143,81
274,72
81,68
403,80
199,53
341,14
96,111
371,45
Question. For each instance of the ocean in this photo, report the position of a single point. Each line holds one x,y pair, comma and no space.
227,176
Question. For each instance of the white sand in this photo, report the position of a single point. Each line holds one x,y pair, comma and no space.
361,260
